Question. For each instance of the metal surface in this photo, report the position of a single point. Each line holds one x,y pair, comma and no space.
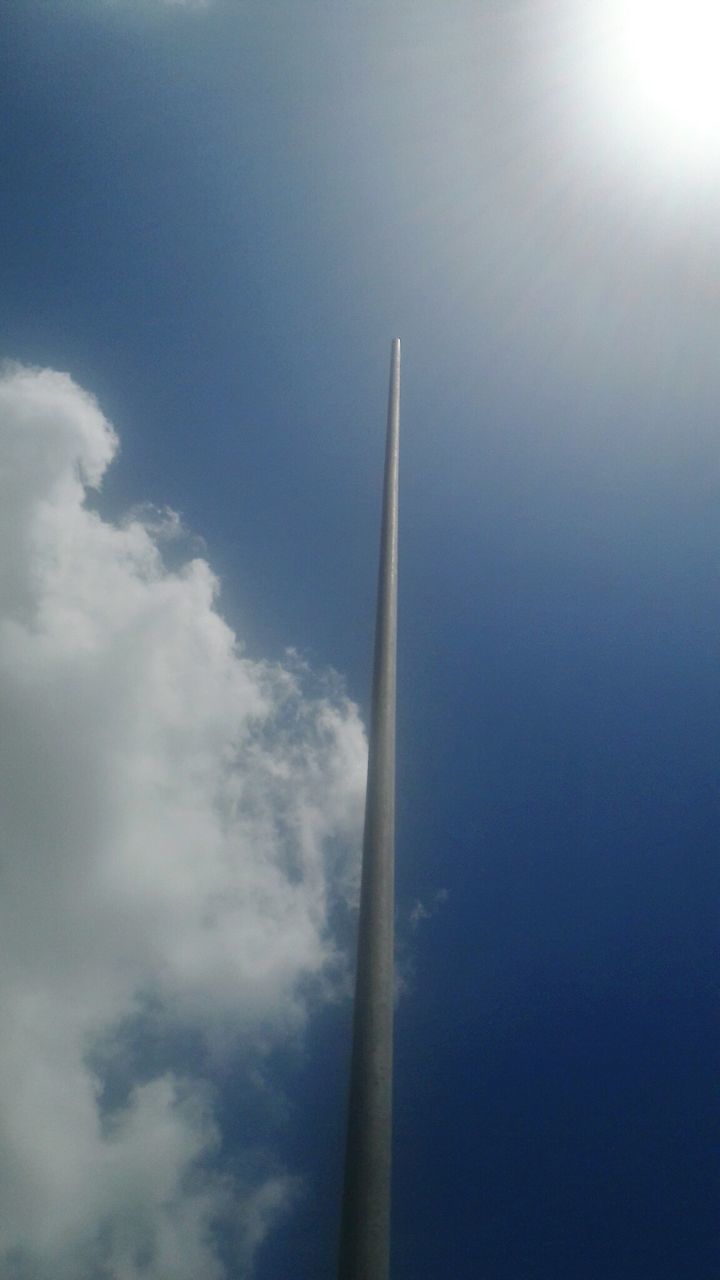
365,1231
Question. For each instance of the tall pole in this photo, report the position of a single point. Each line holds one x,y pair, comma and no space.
365,1231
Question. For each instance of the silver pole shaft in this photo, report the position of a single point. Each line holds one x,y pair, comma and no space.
365,1232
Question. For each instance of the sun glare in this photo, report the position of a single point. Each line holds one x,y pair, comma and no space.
660,62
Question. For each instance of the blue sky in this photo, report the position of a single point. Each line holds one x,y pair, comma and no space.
214,220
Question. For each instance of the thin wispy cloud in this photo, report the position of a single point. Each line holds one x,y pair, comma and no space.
176,822
426,910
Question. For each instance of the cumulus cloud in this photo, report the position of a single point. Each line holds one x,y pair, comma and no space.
177,821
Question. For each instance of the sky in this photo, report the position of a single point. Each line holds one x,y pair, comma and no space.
214,219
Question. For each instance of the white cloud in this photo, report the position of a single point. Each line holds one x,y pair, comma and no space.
175,819
426,910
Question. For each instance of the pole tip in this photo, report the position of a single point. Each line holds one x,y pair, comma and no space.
395,346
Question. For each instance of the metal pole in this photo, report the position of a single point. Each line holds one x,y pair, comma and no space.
365,1231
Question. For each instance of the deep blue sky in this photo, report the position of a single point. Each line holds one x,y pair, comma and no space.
216,221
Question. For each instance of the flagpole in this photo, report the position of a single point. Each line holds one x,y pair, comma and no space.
365,1230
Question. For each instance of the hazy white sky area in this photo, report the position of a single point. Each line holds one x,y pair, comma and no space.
167,808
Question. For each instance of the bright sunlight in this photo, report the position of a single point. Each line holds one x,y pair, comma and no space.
658,62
